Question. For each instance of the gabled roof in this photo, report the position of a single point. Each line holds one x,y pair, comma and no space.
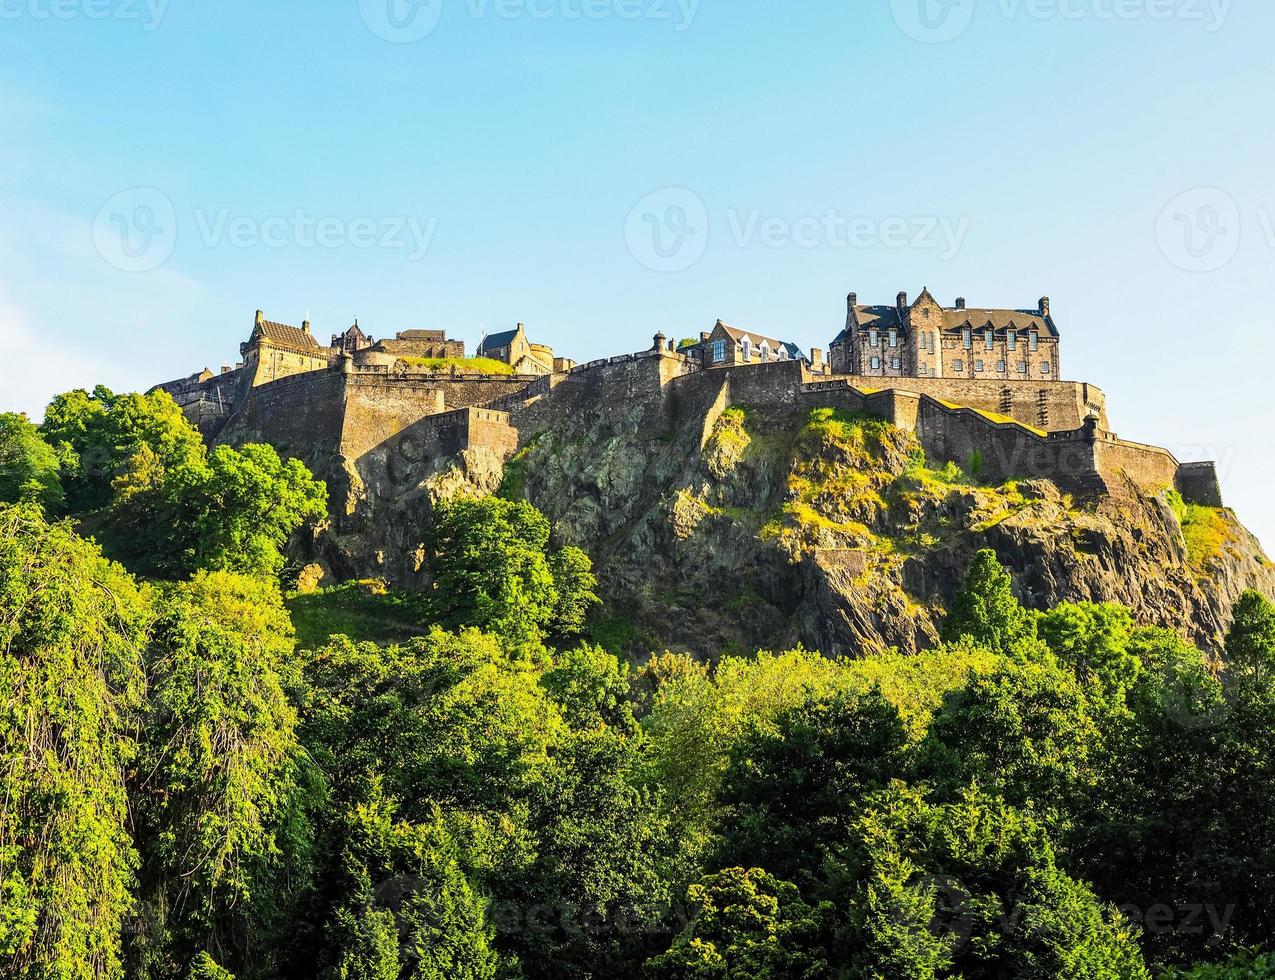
999,320
438,335
282,335
495,340
737,335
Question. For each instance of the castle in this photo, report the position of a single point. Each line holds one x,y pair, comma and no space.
926,340
976,386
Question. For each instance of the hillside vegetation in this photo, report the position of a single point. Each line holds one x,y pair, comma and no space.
210,772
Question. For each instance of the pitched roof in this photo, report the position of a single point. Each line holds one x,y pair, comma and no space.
421,335
737,335
888,318
495,340
999,320
282,335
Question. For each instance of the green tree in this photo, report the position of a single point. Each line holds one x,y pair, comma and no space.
72,627
1250,642
218,777
746,925
492,571
1024,731
446,719
591,687
29,468
97,435
793,787
410,910
987,611
1096,641
969,888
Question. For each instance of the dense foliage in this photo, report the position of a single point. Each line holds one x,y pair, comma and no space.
188,793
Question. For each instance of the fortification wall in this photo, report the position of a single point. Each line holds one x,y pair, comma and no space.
1149,468
1001,451
379,403
1198,484
300,416
1056,406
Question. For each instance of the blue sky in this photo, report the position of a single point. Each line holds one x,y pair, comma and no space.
167,169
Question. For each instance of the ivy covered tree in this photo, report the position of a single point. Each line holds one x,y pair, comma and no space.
72,629
218,785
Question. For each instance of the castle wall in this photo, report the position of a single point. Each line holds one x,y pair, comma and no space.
379,404
1049,405
1198,484
300,416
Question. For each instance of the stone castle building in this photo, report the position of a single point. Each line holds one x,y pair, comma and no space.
727,346
925,340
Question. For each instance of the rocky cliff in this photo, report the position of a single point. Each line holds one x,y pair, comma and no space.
719,527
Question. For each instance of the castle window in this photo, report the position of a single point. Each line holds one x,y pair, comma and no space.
874,338
1012,339
719,351
969,339
1000,367
746,348
924,371
876,364
1035,340
978,366
1022,367
991,338
894,338
1045,367
959,365
897,363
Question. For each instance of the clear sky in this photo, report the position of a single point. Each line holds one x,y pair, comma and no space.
602,169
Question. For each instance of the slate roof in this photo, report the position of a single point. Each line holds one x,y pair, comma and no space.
496,340
888,318
436,335
294,338
737,335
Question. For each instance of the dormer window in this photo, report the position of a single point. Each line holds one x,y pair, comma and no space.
968,338
1035,339
764,351
990,335
874,338
1012,339
894,338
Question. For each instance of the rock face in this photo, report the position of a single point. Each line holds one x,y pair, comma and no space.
721,528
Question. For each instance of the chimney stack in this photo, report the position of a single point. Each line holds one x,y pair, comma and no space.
1044,306
305,327
703,336
903,301
960,302
852,300
225,369
261,318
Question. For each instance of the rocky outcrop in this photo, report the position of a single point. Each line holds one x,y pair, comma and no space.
716,527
